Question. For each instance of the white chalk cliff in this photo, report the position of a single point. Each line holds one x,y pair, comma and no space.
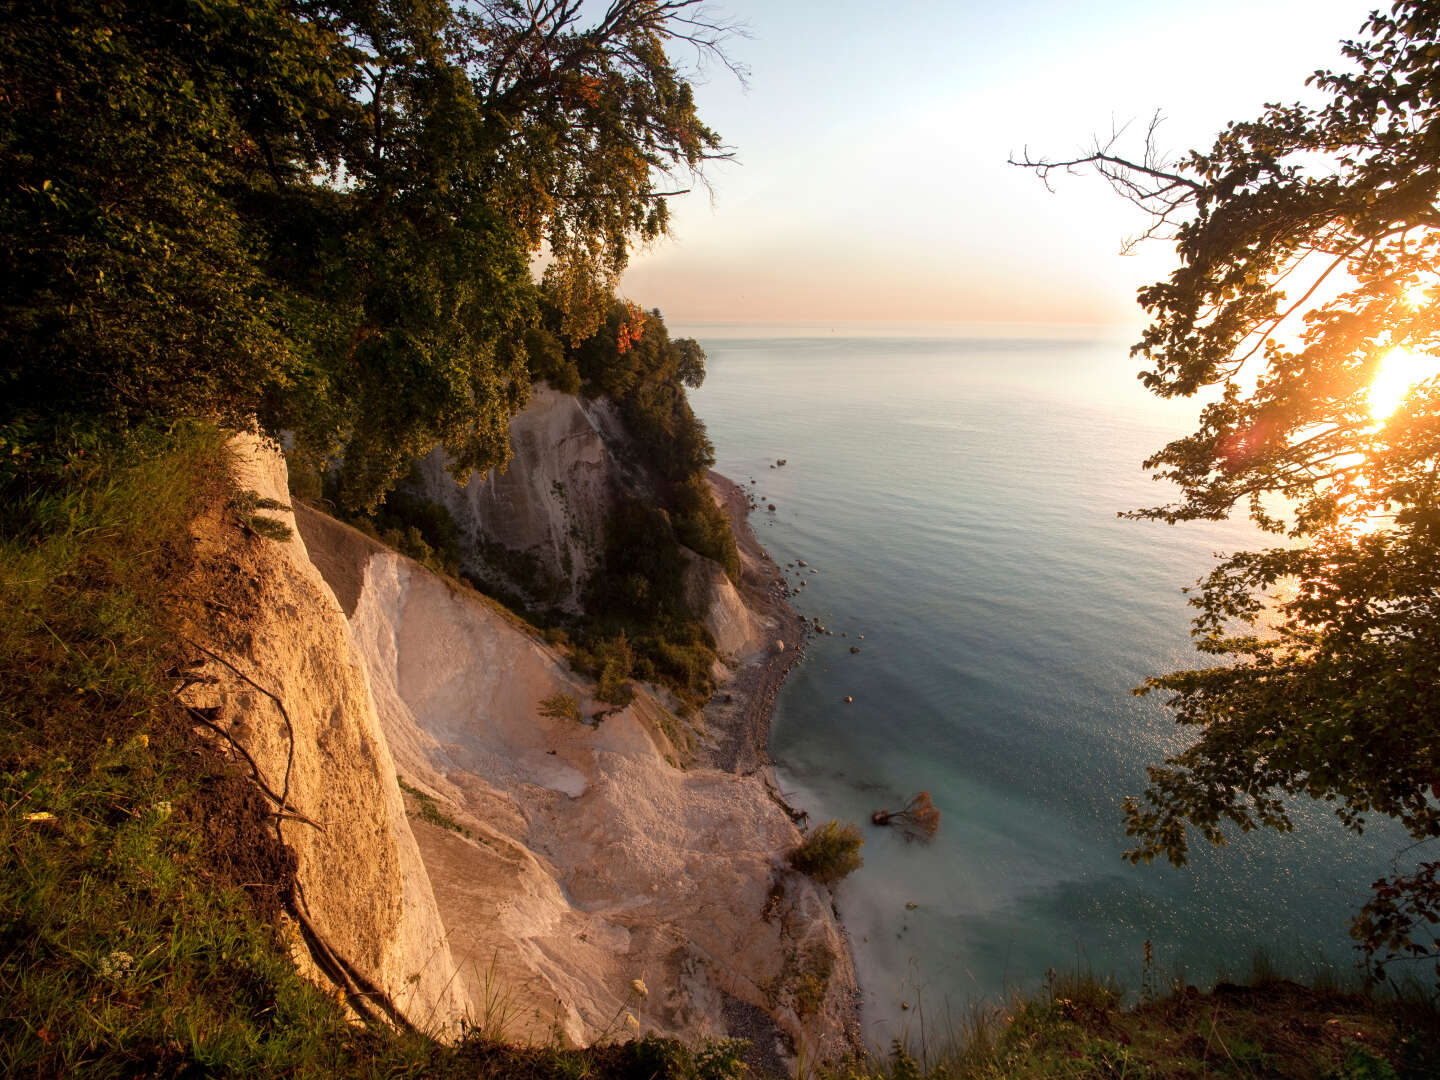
281,678
536,867
551,504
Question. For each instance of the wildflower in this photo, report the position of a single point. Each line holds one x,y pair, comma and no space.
630,1020
638,985
163,809
117,965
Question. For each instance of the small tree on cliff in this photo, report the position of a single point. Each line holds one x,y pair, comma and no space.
829,852
1308,292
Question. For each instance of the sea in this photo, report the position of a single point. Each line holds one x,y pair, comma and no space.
955,493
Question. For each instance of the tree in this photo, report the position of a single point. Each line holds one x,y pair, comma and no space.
132,284
917,819
829,852
325,214
486,132
1308,293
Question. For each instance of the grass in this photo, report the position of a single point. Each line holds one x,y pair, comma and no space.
561,706
134,940
1079,1029
429,810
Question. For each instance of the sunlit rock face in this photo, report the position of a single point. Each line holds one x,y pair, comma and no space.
284,681
538,525
571,858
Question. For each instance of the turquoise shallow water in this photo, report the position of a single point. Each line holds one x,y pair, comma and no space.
958,498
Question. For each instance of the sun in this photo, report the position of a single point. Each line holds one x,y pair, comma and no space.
1400,372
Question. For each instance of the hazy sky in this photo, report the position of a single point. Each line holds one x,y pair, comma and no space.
871,180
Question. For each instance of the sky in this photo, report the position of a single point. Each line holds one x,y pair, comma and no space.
870,179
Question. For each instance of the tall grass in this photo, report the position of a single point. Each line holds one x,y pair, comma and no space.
125,950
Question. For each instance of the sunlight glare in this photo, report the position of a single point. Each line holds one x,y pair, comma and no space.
1400,372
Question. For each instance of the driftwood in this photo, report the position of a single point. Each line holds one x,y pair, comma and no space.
919,820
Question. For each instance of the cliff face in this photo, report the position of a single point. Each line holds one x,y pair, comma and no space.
587,859
535,867
581,856
278,673
539,524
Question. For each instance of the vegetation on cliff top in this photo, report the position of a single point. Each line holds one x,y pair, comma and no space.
324,214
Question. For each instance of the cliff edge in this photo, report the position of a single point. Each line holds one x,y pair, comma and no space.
278,684
574,861
468,854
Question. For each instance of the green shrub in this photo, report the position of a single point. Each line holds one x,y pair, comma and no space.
812,979
547,360
561,707
429,809
617,662
829,852
244,504
702,526
656,1056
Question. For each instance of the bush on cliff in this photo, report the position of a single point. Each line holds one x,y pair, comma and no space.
639,591
829,852
617,662
548,360
648,379
702,526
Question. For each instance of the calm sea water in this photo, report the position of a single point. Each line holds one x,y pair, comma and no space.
957,498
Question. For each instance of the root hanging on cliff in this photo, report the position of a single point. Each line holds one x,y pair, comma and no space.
284,715
919,820
368,1000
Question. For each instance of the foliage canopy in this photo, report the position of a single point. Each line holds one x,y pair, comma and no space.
1309,265
324,214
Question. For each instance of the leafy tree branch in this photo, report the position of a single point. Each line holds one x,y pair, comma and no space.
1308,274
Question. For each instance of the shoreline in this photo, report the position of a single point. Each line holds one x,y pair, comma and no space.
744,705
754,685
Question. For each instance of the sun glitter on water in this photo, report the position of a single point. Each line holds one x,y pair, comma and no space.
1400,372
